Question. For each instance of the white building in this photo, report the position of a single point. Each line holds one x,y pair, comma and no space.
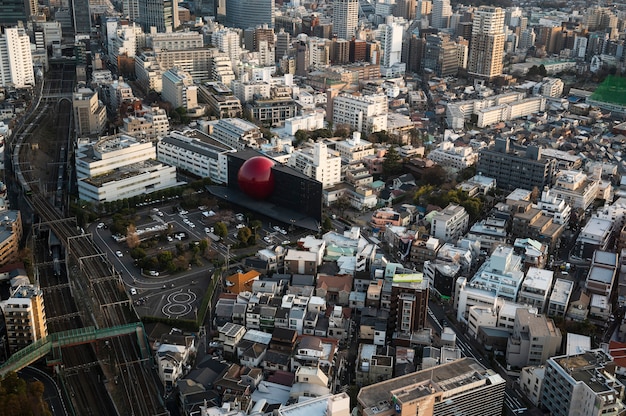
501,274
236,133
345,18
306,122
549,87
354,149
450,224
197,153
246,90
16,62
575,188
25,317
148,71
489,232
175,41
123,41
118,167
554,207
319,163
179,89
391,41
457,157
560,297
536,287
228,41
364,113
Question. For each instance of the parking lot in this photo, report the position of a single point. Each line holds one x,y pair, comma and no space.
177,295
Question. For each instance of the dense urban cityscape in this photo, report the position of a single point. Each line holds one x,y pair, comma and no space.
324,208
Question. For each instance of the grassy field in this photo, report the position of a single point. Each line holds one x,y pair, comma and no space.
612,90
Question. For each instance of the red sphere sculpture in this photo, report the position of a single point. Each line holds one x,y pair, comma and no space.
255,177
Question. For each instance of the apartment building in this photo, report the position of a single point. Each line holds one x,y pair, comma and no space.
11,232
408,306
560,297
536,288
364,113
25,317
236,133
179,89
354,149
319,163
16,58
535,338
575,188
450,224
516,168
90,114
222,103
456,157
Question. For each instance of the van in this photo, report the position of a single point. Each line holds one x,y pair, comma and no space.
133,291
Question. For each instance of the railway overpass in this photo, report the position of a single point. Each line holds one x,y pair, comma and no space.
52,344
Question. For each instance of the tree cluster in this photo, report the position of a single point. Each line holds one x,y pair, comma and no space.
17,397
428,194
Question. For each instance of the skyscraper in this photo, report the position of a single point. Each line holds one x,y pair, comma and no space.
345,18
245,14
487,46
16,63
391,41
81,16
442,10
161,14
12,11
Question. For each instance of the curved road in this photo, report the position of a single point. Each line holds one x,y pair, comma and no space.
51,394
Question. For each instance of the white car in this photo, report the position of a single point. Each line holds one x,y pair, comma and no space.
207,230
153,273
133,291
282,231
267,239
100,225
119,253
276,227
286,242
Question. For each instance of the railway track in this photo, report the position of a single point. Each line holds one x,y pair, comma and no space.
117,379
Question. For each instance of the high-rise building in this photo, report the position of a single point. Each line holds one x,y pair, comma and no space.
584,384
16,63
406,9
319,163
345,18
25,317
161,14
441,55
460,387
366,114
130,9
441,13
408,307
283,42
391,41
81,16
13,11
487,45
245,14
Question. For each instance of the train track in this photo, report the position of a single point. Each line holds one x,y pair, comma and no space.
116,379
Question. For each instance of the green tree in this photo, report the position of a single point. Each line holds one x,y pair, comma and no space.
327,225
220,229
300,137
244,234
392,165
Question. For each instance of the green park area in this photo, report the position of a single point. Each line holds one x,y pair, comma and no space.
612,90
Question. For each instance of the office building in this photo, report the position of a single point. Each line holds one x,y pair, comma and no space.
512,168
535,338
25,317
441,13
179,89
345,18
118,167
13,11
584,384
575,188
160,14
459,387
16,62
246,14
450,224
487,45
318,162
90,114
441,55
195,152
130,10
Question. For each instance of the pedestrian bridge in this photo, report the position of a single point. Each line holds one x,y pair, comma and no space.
53,343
